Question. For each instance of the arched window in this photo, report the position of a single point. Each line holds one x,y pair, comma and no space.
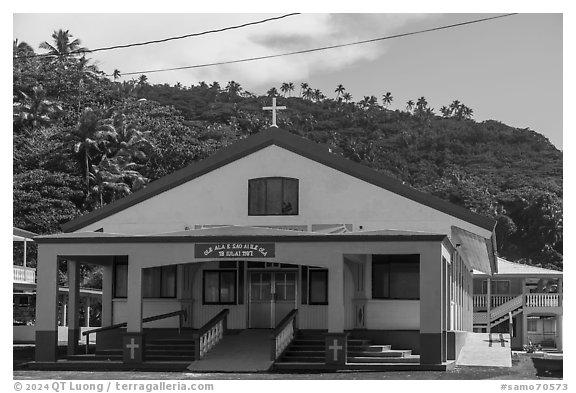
273,196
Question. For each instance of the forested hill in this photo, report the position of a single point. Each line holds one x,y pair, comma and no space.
82,140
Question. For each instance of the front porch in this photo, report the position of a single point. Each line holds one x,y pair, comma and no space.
297,280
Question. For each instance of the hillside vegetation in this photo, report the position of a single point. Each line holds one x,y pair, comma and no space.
82,140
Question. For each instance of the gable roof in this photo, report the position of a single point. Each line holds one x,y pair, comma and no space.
20,235
507,268
284,139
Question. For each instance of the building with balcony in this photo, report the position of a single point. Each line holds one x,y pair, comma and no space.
24,294
523,300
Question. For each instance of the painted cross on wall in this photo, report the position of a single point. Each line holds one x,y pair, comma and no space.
336,345
132,348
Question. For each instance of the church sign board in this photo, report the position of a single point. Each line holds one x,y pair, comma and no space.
234,250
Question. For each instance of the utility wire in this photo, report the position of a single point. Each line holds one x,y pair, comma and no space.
321,48
164,39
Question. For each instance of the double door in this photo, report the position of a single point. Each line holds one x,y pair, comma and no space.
272,297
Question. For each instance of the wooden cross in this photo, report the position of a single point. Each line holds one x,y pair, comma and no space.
132,346
273,108
335,348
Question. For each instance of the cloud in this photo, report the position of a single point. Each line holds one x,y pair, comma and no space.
290,34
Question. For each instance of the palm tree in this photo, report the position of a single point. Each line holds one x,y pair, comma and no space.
467,112
347,97
445,111
410,105
290,89
129,142
308,94
233,88
35,109
422,103
63,47
284,88
303,87
272,92
317,94
373,101
387,99
88,138
21,49
142,80
339,90
215,86
116,74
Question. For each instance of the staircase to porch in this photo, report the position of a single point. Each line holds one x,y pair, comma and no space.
499,314
175,348
308,349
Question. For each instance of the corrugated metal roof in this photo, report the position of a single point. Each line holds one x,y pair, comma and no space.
473,248
512,268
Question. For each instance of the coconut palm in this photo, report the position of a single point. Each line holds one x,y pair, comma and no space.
421,104
410,105
116,74
89,138
272,92
129,142
387,99
233,88
339,90
303,87
445,111
62,46
347,97
142,80
284,88
34,109
290,89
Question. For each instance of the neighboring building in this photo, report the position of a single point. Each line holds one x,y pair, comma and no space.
24,295
523,300
281,233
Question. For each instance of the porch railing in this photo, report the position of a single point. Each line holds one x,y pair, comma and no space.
543,300
283,335
210,334
24,274
181,314
479,301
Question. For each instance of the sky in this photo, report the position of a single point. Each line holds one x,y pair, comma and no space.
508,69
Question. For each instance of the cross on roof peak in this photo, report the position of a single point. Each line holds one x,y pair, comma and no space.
274,109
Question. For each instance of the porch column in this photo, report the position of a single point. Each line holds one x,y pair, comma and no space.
336,339
559,332
336,298
73,306
488,304
431,340
87,312
107,288
524,334
46,304
133,341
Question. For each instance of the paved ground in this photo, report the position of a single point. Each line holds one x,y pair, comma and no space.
486,349
522,369
248,351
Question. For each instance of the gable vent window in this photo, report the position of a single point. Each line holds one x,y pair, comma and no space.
273,196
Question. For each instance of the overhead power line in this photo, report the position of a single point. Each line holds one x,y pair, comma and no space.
166,39
320,48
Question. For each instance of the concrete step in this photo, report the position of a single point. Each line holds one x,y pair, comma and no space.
373,359
383,354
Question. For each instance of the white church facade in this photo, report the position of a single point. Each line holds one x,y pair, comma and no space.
274,232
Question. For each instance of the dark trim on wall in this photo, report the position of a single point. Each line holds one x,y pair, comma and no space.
247,238
295,144
46,345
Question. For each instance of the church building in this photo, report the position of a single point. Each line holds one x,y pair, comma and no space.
273,233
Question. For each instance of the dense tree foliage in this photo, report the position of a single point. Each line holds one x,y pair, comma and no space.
82,140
